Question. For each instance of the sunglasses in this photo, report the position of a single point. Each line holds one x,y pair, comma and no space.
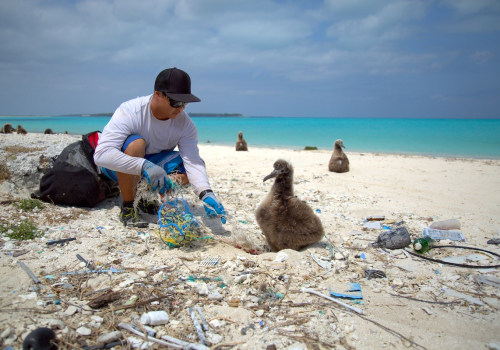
174,103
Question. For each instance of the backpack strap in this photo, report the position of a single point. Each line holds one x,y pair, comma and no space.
89,143
93,138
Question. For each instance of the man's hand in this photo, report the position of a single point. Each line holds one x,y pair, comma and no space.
156,176
211,201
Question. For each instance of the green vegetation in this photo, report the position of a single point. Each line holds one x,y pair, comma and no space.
28,204
310,148
25,230
4,172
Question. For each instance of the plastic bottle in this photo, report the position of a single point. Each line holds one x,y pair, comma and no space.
154,318
450,224
422,245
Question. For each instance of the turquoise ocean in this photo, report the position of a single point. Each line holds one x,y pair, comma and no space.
474,138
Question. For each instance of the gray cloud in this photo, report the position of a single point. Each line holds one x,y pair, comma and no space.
106,51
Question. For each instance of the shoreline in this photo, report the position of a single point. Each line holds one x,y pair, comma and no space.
301,148
360,153
434,138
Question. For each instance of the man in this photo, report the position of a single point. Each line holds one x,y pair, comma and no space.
139,141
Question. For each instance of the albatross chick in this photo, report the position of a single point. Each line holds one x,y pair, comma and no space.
286,221
339,163
241,144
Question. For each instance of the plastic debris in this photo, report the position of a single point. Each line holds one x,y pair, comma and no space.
423,245
169,341
454,293
353,308
451,224
197,326
177,224
374,274
486,279
494,241
31,274
376,218
210,261
61,241
394,239
327,265
372,225
154,318
354,287
111,269
87,264
453,235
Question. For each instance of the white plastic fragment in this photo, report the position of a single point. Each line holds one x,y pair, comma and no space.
327,265
109,337
355,309
454,293
154,318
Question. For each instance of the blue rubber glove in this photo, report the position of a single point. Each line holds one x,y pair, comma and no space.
211,201
156,176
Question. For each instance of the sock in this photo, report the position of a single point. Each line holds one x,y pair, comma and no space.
127,204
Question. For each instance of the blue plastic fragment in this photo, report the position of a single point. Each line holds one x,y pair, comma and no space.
354,287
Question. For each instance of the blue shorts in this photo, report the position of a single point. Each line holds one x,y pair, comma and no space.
171,161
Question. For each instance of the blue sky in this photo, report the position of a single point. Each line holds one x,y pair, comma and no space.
332,58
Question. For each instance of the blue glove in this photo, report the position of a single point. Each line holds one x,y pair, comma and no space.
211,201
156,176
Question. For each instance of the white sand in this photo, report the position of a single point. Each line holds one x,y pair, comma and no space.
413,189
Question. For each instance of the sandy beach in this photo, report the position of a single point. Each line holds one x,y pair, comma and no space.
252,301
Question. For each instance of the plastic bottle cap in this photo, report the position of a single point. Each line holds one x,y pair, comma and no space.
418,246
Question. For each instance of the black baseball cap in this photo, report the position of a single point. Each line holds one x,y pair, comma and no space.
176,84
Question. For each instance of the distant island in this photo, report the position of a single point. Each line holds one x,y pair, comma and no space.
191,114
215,114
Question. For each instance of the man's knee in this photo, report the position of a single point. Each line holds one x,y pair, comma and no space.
136,148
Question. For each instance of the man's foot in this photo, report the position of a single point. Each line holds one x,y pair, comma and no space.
148,207
130,218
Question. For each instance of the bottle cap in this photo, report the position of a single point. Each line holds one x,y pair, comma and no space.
417,246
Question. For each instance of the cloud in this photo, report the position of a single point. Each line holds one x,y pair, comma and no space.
260,47
389,23
467,7
473,16
481,57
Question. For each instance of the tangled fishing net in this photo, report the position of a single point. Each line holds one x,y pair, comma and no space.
177,225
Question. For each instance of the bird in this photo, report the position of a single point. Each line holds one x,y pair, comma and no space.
286,221
339,163
48,131
7,128
21,130
241,144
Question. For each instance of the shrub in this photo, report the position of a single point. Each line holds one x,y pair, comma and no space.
4,172
29,204
25,230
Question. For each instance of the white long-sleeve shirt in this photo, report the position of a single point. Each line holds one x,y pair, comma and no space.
135,117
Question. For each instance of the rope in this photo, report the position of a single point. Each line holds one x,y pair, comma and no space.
177,225
457,264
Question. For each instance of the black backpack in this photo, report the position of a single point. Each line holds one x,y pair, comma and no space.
73,179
